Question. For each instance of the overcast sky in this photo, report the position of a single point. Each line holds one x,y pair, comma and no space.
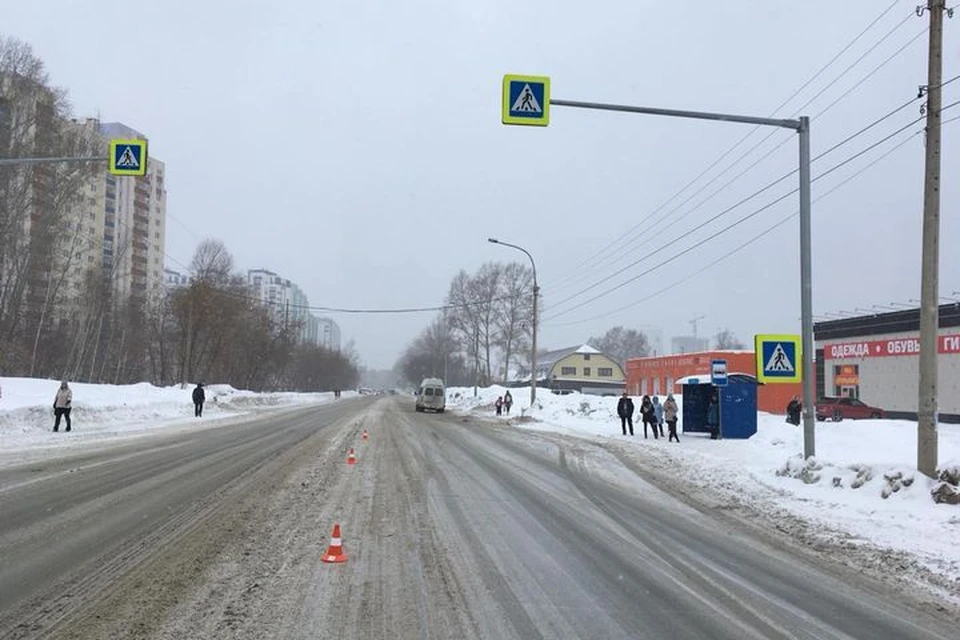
355,147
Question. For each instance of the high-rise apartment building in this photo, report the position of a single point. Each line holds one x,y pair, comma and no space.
119,224
289,306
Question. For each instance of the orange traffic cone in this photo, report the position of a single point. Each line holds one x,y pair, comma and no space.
365,434
351,458
335,550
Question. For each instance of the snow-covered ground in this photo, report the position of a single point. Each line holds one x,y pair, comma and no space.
861,488
115,411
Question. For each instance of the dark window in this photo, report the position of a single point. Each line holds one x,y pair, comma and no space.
568,371
428,391
586,371
586,356
605,372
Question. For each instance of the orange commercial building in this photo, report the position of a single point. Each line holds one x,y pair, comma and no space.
658,375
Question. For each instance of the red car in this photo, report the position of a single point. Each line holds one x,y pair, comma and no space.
837,409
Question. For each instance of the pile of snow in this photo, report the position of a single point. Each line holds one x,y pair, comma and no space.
26,409
862,483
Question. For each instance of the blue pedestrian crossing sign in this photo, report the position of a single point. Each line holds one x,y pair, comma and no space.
526,100
778,358
128,157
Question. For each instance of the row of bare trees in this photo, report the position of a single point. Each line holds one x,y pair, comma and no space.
62,316
40,238
483,334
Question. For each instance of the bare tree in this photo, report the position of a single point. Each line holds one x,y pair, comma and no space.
621,344
514,313
725,339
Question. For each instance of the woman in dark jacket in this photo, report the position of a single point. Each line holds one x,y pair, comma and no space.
648,412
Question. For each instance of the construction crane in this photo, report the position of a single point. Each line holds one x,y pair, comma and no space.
693,323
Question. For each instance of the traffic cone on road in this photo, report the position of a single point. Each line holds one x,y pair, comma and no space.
335,550
365,434
351,457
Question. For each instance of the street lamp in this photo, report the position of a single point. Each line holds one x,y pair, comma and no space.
536,290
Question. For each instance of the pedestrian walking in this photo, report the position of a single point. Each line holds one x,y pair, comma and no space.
713,418
62,405
198,399
507,402
658,413
499,405
625,410
670,411
649,417
793,411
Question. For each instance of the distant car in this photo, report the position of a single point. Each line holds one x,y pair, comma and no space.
837,409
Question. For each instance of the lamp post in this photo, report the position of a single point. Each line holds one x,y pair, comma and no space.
536,291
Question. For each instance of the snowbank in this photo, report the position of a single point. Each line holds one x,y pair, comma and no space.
26,409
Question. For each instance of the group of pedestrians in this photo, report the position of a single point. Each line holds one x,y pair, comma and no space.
652,413
63,404
503,404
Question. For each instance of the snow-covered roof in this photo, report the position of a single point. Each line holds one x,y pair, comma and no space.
551,357
704,378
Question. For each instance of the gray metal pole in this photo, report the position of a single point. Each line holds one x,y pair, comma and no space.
17,161
536,292
806,294
927,445
802,127
533,350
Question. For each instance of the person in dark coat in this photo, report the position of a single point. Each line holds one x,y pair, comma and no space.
793,411
62,404
625,410
713,418
198,398
670,411
649,415
507,402
499,405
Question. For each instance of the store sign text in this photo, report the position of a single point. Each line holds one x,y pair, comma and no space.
886,348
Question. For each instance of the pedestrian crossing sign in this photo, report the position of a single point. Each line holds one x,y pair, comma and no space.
526,100
128,157
778,358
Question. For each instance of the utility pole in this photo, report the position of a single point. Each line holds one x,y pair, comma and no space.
927,414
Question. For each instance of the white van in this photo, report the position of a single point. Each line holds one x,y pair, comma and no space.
432,395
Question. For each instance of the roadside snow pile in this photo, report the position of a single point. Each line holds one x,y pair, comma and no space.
947,491
26,407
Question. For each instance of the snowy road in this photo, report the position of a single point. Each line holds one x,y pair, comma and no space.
454,529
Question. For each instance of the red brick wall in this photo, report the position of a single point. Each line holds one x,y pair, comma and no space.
772,398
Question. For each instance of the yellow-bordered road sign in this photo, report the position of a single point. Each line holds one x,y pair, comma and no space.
128,157
778,358
526,100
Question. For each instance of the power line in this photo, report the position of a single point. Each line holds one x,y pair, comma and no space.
747,135
728,227
749,242
629,236
751,197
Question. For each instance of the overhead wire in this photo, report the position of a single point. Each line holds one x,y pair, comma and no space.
741,246
735,223
629,236
746,199
736,145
